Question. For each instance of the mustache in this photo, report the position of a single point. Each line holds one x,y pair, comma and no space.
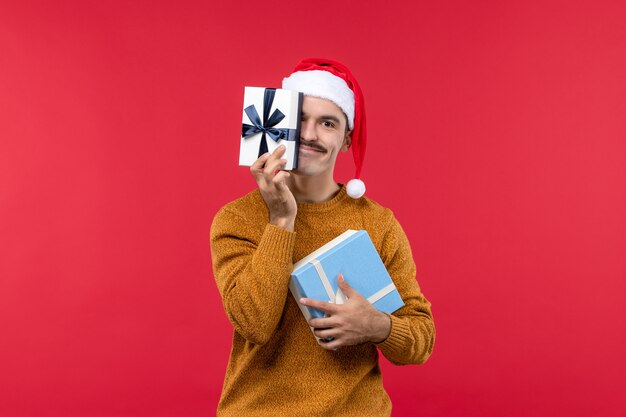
312,145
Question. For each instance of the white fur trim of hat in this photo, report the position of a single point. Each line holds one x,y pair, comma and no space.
323,84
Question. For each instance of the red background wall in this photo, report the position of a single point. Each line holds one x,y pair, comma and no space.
497,136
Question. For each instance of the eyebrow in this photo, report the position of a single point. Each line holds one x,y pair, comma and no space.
326,117
331,117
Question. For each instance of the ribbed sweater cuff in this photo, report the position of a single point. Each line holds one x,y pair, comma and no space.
278,243
399,334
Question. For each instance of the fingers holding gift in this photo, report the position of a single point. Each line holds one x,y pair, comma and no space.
352,323
325,333
276,156
269,164
328,308
269,174
340,332
272,166
257,167
325,323
331,343
272,182
275,169
272,169
333,338
346,288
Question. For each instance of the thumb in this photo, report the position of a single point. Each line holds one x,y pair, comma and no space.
345,287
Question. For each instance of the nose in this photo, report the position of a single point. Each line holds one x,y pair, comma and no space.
307,130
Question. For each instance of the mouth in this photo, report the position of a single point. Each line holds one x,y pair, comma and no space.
311,147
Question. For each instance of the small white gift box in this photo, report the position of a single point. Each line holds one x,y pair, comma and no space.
271,117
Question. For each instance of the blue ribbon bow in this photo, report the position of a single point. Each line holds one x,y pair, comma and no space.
267,127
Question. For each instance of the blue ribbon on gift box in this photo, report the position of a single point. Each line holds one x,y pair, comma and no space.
267,126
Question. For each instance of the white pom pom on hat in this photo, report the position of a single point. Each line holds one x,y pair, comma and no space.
355,188
331,80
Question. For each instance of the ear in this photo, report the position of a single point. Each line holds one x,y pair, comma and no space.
347,141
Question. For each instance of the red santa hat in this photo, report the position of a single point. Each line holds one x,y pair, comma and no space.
331,80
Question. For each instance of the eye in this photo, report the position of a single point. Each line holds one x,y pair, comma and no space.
328,123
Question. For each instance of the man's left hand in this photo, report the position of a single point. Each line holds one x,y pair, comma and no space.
352,323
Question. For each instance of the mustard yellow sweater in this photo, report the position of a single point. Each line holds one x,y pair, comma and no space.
276,367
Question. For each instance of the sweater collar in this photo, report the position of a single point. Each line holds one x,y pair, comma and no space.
340,197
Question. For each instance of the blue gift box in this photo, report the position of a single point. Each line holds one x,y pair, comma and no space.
352,254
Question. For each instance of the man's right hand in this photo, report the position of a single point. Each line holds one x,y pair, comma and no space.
272,181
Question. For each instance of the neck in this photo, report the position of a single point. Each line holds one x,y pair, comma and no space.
314,189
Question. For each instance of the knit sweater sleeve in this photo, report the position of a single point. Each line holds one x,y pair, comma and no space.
412,333
252,273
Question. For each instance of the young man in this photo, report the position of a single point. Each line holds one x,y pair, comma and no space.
276,366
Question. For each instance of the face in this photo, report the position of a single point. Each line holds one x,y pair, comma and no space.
323,134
